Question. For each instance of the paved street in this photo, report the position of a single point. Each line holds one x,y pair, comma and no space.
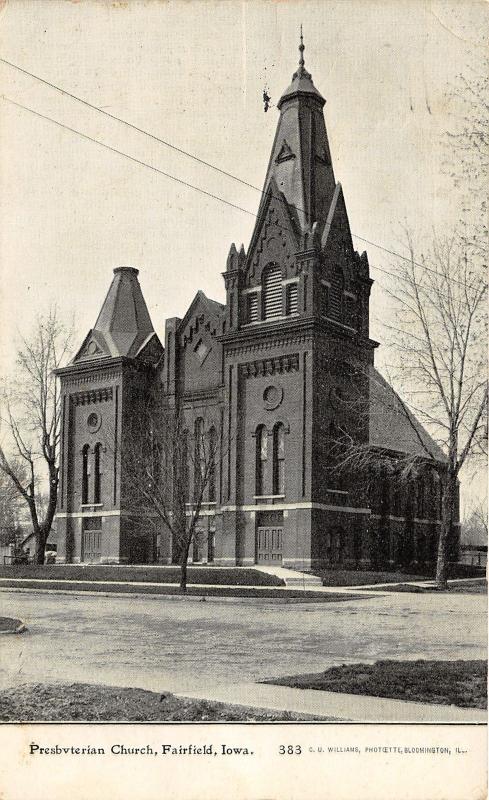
159,643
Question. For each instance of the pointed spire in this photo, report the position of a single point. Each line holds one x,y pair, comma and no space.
301,71
301,80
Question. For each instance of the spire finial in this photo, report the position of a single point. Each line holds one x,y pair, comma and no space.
301,51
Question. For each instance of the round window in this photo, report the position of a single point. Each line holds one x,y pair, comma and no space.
93,422
272,397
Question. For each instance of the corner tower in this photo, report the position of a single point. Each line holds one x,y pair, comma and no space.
100,392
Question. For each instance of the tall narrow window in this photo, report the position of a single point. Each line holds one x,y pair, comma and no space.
252,308
182,484
97,473
324,300
212,464
291,304
272,292
85,473
279,459
336,296
199,455
261,458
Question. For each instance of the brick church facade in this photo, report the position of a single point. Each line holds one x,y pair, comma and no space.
269,372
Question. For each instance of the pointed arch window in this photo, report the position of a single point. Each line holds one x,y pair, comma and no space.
85,473
261,457
212,464
272,292
97,477
279,459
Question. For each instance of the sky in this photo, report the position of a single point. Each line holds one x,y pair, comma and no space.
193,73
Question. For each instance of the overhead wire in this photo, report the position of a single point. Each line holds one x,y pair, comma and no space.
181,181
199,160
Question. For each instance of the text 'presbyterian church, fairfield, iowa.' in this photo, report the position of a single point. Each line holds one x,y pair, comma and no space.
277,375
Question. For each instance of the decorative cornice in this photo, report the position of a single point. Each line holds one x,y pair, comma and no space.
97,377
270,366
92,396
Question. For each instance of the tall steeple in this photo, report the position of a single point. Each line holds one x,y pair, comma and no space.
300,161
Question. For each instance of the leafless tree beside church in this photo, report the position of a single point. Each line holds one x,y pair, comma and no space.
170,468
31,414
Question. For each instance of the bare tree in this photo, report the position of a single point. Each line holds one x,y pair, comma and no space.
468,148
9,511
439,338
31,411
170,468
474,526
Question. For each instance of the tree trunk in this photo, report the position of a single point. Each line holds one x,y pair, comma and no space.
183,566
40,538
447,515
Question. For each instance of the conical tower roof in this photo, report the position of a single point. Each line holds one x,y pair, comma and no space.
124,319
300,160
123,327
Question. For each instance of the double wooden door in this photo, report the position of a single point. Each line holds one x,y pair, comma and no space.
91,546
269,543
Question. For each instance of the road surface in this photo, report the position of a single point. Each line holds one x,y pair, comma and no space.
173,644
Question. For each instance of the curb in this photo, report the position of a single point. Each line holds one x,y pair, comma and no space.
196,598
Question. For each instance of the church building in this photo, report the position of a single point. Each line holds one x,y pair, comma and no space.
271,373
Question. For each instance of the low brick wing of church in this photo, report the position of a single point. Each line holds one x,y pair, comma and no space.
271,374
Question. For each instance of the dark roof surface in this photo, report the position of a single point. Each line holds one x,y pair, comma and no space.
123,325
393,426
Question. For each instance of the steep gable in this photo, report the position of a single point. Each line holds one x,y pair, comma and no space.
200,349
275,237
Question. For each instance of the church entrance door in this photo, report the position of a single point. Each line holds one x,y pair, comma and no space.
92,546
269,546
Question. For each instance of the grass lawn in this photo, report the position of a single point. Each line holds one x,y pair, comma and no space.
85,702
353,577
478,587
266,593
100,572
459,683
11,625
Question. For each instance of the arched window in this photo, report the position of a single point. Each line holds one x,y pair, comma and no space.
272,292
261,458
85,473
212,464
437,495
97,478
182,485
279,459
199,456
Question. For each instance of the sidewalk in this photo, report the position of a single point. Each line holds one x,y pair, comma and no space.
364,590
335,705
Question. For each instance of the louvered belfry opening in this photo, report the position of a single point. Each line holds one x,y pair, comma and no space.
272,292
291,300
252,308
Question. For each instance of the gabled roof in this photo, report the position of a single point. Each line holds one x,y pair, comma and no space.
392,424
213,308
123,325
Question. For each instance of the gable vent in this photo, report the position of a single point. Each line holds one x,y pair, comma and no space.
272,288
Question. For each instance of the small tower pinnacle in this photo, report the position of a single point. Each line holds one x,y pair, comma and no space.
301,51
